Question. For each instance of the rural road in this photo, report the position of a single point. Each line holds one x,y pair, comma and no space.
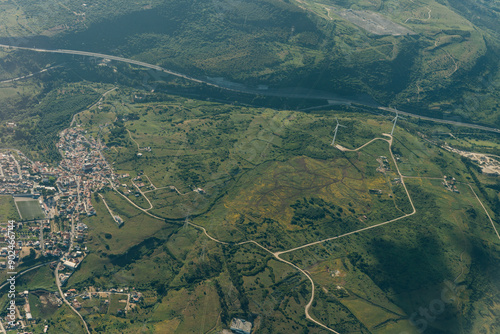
369,227
25,271
58,283
486,211
30,75
92,106
242,89
277,254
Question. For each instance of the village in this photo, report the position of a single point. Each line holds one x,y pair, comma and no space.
50,201
118,301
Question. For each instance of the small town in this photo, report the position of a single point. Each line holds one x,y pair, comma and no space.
45,197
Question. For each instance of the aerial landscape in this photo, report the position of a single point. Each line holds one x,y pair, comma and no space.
258,166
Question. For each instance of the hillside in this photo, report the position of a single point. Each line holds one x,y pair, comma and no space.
271,177
273,189
445,64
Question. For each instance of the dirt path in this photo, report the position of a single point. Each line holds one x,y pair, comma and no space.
132,139
143,195
486,211
277,254
92,106
417,19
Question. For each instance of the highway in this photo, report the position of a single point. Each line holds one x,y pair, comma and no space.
120,59
444,121
245,90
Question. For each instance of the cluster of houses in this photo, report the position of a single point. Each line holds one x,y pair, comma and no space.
15,176
383,164
450,184
83,170
69,186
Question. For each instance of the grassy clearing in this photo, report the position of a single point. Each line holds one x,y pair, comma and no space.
8,209
136,228
444,233
418,158
41,278
189,310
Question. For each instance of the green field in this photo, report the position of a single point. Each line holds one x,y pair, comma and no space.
271,176
7,209
29,209
439,70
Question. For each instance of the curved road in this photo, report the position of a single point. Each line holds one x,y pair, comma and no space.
92,106
58,283
242,89
25,271
277,254
30,75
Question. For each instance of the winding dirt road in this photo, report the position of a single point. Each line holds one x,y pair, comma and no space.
276,255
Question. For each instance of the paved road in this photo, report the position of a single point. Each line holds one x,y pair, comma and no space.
120,59
58,283
305,273
369,227
276,256
137,206
445,121
92,106
242,89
